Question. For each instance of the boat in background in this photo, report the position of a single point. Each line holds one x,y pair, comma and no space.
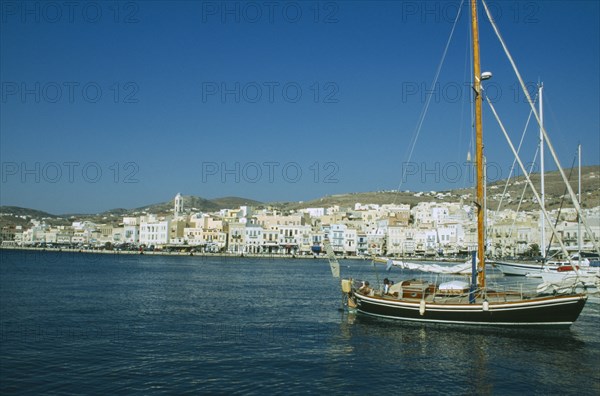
562,281
536,269
521,268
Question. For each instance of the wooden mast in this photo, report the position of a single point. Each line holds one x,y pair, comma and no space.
479,148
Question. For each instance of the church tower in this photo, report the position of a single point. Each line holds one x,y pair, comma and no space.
178,210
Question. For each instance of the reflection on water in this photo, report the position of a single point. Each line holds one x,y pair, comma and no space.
497,360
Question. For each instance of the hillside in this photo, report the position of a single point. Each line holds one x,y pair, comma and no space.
17,211
554,186
14,215
200,204
348,200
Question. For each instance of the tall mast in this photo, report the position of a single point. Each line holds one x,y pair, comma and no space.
542,187
479,148
579,239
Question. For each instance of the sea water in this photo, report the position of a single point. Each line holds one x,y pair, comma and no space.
74,323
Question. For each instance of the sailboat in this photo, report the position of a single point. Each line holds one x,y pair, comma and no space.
577,272
536,269
530,268
458,302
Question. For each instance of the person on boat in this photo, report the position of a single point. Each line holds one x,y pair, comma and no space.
386,286
364,289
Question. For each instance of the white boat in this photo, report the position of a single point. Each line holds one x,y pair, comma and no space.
558,281
521,268
535,270
578,271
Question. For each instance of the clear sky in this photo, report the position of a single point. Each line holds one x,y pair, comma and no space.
122,104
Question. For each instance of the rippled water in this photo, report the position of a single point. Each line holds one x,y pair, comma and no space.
74,323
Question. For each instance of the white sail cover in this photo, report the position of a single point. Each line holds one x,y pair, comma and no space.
567,282
464,268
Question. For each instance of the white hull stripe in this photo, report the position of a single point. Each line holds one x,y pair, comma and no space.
519,324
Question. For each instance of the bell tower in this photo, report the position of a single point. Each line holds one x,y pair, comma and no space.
178,209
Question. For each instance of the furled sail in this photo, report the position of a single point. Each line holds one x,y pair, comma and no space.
464,268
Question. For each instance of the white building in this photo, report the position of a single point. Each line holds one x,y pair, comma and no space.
337,237
290,238
362,246
236,240
194,236
253,238
131,233
401,241
395,240
426,241
376,241
154,231
271,240
314,212
350,242
305,239
570,232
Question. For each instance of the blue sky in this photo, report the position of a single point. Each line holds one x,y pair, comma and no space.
107,105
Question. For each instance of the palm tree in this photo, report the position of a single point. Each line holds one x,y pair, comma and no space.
534,250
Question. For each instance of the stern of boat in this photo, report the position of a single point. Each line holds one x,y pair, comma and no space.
348,294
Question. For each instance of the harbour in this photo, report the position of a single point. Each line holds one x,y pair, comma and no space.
290,259
159,324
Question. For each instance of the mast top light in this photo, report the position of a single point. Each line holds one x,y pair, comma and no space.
486,75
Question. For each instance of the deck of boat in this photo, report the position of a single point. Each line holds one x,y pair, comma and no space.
446,298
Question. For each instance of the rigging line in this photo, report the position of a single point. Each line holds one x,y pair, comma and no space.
512,167
462,112
562,201
512,227
471,66
549,109
524,190
428,100
542,128
472,108
533,189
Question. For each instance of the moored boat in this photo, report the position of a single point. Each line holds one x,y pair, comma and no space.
424,302
520,268
470,302
533,268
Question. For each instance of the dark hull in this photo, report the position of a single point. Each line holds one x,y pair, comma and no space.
542,311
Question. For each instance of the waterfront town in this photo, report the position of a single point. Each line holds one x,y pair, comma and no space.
427,229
